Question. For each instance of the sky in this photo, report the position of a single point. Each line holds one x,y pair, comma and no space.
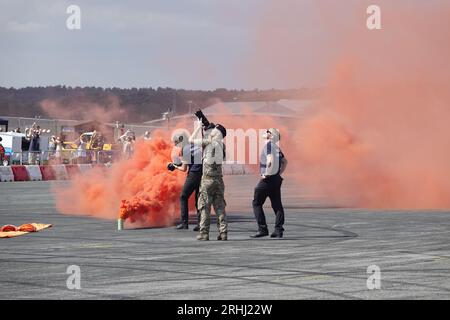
183,44
190,44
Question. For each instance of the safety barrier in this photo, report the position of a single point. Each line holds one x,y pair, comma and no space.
69,171
44,172
99,166
62,157
20,173
252,169
60,172
237,169
226,169
84,168
47,173
34,172
72,170
6,174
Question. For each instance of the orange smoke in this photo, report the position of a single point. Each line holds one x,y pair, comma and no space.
84,110
380,136
140,189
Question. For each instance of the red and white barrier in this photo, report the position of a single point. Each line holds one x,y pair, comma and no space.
69,171
237,169
84,168
20,173
60,172
226,169
47,173
6,174
73,170
34,172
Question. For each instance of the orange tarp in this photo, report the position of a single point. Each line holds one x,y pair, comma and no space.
10,234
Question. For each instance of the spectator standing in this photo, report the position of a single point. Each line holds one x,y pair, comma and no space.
82,146
52,145
33,134
127,134
128,148
2,152
58,149
147,136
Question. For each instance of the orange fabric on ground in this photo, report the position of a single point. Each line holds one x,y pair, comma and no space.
8,228
11,234
27,227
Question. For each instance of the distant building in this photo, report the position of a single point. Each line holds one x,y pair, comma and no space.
3,125
287,110
107,130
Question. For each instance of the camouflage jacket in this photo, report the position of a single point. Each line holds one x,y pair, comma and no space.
213,157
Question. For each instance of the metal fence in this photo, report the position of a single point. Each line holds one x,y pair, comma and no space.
57,125
62,157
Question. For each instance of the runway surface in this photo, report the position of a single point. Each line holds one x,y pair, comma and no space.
324,255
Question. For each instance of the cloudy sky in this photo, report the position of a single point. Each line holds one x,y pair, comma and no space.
188,43
192,44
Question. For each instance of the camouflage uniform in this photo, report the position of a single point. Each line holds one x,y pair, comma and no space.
212,189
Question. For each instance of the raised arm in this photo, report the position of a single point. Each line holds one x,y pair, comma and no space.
193,138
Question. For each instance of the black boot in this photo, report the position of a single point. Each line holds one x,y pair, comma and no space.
197,227
182,226
277,234
262,232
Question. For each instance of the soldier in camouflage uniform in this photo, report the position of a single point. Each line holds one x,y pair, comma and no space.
212,188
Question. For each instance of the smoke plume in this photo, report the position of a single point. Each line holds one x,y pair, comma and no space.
85,110
378,138
140,189
380,135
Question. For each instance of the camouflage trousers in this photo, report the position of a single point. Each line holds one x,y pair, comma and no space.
212,191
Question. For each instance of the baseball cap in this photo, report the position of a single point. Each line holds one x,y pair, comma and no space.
222,130
274,132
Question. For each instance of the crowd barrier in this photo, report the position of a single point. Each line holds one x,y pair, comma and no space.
69,171
84,168
20,173
43,172
62,157
60,172
226,169
47,173
72,170
34,172
6,174
236,169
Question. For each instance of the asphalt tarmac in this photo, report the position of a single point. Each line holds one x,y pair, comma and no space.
325,253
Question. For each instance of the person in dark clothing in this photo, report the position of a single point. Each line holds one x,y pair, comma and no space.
35,139
190,161
2,152
33,135
272,165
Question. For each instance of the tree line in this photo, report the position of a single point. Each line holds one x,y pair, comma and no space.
139,104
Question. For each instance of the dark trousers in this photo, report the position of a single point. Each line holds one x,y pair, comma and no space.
269,187
191,184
